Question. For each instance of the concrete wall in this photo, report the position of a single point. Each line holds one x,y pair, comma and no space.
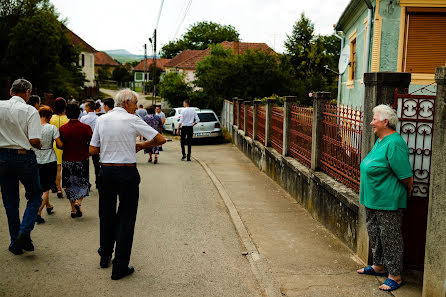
88,68
328,201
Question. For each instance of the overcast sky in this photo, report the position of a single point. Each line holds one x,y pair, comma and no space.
118,24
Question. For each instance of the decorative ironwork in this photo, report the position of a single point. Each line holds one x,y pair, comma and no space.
242,117
250,121
416,120
261,118
301,124
277,129
341,144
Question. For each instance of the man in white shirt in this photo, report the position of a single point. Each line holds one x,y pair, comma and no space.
109,104
115,138
188,120
90,119
19,132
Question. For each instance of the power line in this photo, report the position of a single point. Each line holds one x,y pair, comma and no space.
184,17
159,14
181,12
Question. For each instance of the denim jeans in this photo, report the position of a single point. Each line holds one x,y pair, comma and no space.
15,167
117,224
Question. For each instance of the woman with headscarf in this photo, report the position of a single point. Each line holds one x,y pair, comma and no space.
76,139
46,158
155,122
386,181
59,119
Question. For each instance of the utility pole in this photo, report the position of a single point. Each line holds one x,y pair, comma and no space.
154,66
145,68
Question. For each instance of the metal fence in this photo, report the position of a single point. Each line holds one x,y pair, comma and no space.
261,118
277,128
235,112
242,117
250,120
341,144
301,125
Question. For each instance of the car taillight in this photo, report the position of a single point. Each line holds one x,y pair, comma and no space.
217,125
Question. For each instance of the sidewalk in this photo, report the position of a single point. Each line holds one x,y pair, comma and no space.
305,259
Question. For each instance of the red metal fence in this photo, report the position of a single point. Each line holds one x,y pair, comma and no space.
250,121
301,124
277,128
341,144
235,113
242,117
261,118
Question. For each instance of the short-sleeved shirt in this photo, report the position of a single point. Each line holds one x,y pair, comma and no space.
76,139
46,154
381,173
161,115
89,119
154,121
116,133
19,122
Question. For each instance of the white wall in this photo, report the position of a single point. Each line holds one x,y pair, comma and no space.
87,67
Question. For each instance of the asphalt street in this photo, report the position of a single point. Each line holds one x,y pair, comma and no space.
185,243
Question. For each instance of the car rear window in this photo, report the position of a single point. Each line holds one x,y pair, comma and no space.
207,117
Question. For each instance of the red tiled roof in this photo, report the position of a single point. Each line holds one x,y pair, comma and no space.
181,57
102,58
188,59
160,63
76,40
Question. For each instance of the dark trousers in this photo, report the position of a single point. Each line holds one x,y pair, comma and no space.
386,239
97,166
117,224
186,139
15,167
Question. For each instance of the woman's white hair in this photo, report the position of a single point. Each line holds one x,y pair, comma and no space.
123,95
386,112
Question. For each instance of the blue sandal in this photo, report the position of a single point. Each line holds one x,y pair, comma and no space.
370,271
392,284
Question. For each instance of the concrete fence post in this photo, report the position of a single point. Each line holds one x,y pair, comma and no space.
256,105
320,98
245,117
287,103
269,108
379,88
239,116
434,280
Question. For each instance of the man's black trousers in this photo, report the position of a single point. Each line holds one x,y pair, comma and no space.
186,139
117,224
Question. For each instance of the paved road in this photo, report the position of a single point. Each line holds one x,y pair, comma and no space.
185,243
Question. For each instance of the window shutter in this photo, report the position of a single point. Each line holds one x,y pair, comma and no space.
425,42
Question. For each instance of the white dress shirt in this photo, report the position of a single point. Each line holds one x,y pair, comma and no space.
188,117
115,133
89,119
19,122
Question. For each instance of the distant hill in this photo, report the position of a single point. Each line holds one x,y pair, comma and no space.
123,55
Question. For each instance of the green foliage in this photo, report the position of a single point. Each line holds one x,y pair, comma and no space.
34,45
200,36
174,89
306,56
122,73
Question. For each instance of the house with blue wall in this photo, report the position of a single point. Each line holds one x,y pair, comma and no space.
390,35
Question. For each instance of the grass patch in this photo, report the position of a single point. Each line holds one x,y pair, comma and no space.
227,136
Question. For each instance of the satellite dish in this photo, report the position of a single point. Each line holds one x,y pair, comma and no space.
344,59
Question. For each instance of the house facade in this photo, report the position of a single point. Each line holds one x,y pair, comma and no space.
405,36
103,61
138,71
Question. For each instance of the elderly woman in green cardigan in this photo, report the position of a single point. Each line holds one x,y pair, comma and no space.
386,181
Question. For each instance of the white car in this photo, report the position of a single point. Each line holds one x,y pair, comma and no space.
209,125
172,119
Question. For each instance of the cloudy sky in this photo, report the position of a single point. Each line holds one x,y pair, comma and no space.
118,24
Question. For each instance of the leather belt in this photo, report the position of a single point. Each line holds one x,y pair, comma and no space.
119,164
18,151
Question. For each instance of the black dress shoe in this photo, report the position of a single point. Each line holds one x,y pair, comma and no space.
184,157
121,274
105,261
15,250
24,242
39,220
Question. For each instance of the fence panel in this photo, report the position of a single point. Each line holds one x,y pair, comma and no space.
261,118
277,129
242,117
235,113
341,144
250,121
301,124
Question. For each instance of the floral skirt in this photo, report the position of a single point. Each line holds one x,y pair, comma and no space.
154,150
75,179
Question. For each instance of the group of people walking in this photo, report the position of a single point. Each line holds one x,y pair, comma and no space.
38,143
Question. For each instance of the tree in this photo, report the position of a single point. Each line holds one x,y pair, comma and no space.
200,36
174,88
122,73
34,45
